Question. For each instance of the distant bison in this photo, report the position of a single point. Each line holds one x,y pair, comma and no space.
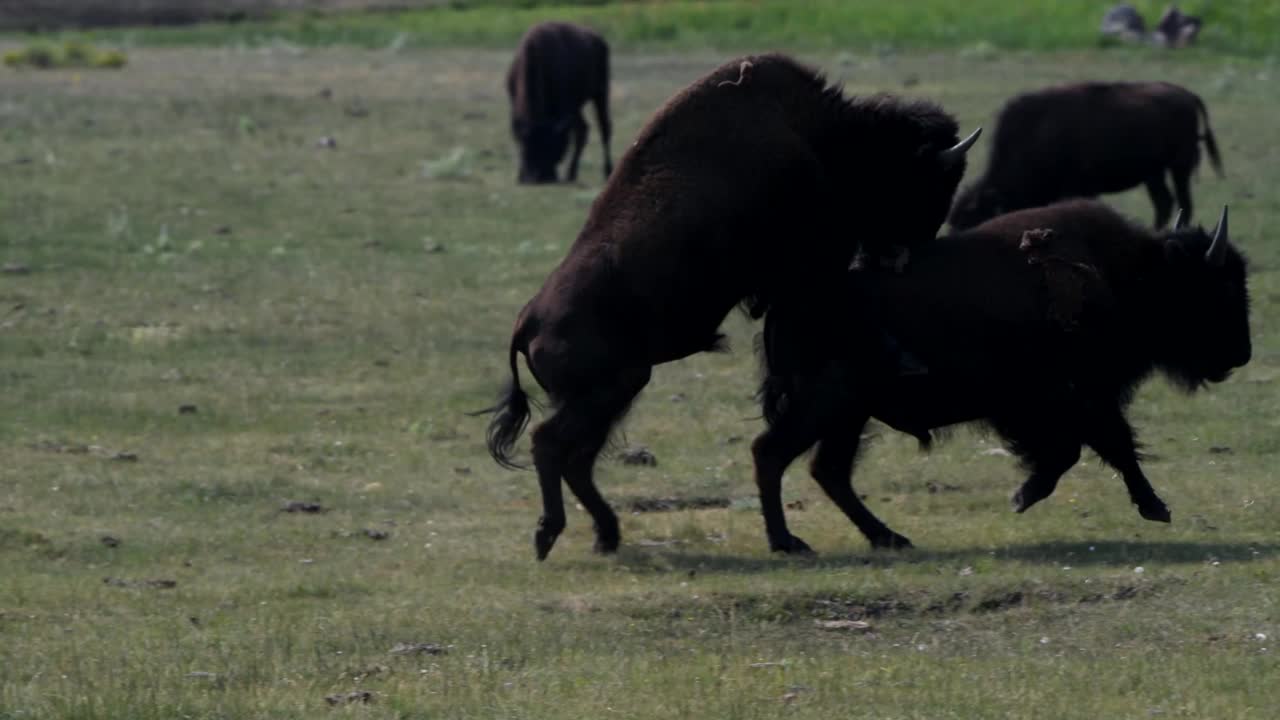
1040,323
1087,139
558,67
741,189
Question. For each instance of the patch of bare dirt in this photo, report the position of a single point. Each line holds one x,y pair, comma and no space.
638,456
153,583
851,612
74,448
419,648
359,697
674,504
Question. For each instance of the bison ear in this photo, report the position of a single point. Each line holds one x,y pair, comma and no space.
954,154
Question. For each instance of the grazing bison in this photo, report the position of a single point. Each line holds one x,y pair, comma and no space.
1087,139
739,190
1040,323
558,67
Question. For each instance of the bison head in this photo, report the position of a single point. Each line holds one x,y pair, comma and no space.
912,192
1205,298
542,147
975,205
935,183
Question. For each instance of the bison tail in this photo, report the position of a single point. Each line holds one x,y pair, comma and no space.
1210,143
511,415
924,439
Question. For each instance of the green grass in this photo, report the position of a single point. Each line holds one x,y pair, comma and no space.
332,313
1247,27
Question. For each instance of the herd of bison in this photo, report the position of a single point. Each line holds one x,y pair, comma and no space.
762,186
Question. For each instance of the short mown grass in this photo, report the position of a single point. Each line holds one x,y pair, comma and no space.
1246,27
206,314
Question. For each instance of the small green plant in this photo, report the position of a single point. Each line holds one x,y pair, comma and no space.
456,164
110,59
40,56
77,54
72,54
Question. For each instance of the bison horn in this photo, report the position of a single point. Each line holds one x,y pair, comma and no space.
1217,251
1179,220
954,153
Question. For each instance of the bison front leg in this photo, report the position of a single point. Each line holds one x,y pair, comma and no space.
1111,436
601,102
1048,449
1046,471
579,141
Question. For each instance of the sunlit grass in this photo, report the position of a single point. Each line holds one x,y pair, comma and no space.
1248,27
328,314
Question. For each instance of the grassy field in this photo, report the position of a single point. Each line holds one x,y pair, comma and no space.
1245,27
206,314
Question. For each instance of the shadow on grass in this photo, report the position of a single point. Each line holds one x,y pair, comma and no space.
1077,553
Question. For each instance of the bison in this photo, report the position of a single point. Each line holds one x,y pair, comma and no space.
1083,140
1040,323
737,191
558,67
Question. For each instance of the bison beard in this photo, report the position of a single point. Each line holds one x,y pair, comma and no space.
737,191
1040,323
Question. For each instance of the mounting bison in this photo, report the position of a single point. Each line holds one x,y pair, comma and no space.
1084,140
558,67
1040,323
739,190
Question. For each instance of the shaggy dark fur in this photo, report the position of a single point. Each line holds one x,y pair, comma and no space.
557,69
743,187
984,310
1088,139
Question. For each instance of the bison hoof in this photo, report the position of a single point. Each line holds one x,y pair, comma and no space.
890,540
607,538
544,538
1156,511
1022,501
543,541
792,545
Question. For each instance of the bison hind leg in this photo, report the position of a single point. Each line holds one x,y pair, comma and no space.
832,467
1161,198
567,446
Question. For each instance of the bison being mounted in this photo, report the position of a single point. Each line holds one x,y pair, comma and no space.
1087,139
738,190
1040,323
558,67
